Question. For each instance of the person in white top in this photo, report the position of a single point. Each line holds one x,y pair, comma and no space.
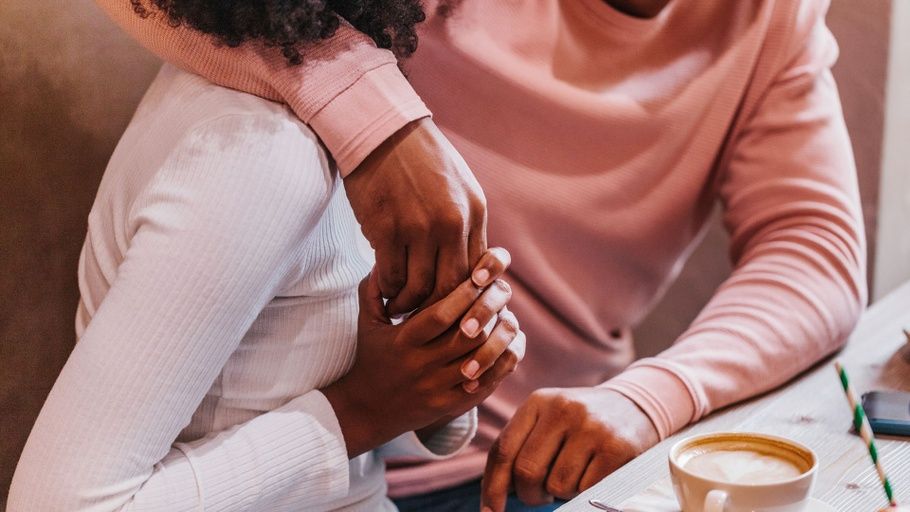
223,363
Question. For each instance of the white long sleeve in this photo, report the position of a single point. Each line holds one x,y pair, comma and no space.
218,288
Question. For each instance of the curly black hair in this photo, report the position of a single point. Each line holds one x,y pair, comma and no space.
291,24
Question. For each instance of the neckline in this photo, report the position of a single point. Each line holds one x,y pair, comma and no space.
625,24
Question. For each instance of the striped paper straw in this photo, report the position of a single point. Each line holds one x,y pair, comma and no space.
861,424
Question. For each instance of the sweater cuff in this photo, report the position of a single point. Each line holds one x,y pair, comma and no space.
361,117
662,394
445,443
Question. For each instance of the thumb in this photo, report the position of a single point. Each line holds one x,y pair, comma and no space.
371,305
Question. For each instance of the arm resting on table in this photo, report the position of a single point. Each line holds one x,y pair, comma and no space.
798,285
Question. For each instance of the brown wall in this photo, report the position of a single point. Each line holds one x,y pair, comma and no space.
68,84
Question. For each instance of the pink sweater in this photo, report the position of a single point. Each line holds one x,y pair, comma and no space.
602,143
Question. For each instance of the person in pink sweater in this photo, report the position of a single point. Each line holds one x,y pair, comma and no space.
603,133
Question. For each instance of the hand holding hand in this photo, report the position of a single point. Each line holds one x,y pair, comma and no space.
562,441
423,212
409,376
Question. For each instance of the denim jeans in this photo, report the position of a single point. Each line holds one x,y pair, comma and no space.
463,498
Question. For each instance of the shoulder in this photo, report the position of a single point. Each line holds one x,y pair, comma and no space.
228,154
805,44
802,10
267,152
233,128
794,21
181,109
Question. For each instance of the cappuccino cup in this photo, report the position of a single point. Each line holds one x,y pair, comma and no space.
742,472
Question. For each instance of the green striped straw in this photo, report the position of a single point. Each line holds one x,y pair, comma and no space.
861,424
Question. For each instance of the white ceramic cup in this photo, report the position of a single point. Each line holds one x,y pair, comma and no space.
698,493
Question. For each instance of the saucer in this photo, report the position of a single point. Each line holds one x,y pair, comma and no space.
659,497
815,505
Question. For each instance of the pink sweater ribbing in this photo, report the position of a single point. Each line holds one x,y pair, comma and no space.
602,143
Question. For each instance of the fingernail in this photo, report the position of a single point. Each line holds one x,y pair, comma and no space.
481,276
470,369
470,327
487,509
471,386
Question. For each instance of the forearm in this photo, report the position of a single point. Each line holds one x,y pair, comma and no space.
239,68
351,92
774,317
292,458
362,428
367,426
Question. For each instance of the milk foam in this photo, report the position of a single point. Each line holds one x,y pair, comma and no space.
742,467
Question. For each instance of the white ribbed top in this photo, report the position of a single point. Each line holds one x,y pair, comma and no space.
218,283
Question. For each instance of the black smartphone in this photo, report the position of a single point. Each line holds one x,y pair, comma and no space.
888,412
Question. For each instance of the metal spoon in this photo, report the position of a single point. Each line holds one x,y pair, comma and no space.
601,505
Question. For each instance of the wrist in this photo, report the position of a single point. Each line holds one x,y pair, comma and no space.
645,431
663,395
414,137
359,424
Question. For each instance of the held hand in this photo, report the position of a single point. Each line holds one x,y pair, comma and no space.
422,211
562,441
408,376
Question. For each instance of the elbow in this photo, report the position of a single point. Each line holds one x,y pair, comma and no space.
38,487
850,310
28,494
854,311
858,297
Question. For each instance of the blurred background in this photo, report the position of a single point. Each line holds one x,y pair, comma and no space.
69,81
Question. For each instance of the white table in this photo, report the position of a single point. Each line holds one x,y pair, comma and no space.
811,409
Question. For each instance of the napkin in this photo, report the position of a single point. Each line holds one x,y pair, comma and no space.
659,497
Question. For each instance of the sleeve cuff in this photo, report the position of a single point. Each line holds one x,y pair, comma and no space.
450,440
361,117
662,394
301,439
316,404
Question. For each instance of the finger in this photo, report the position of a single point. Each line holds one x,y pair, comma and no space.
601,465
571,463
436,318
432,322
483,358
485,308
478,390
452,267
519,345
532,464
371,305
392,269
420,280
494,487
453,349
477,233
492,265
490,380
